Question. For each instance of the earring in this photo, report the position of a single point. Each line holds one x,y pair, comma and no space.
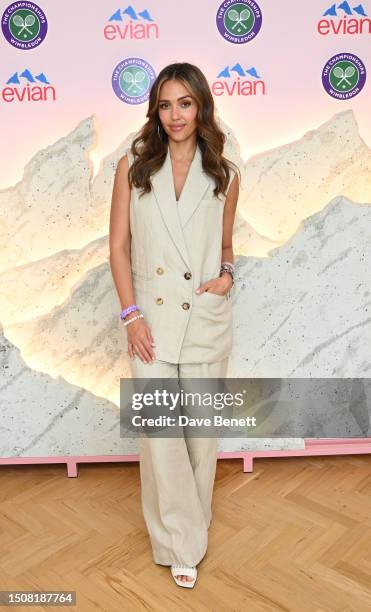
158,131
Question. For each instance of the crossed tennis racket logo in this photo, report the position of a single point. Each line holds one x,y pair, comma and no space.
134,79
343,75
25,23
238,17
239,23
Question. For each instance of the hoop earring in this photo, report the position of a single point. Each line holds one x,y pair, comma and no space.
158,131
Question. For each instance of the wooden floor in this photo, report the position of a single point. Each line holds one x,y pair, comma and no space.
294,535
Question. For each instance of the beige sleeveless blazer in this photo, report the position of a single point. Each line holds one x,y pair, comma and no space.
176,246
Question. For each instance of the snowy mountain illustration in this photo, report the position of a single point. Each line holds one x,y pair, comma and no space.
130,12
27,76
60,419
237,70
309,301
57,418
301,301
345,9
280,188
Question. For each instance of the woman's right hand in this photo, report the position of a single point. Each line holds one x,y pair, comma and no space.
140,340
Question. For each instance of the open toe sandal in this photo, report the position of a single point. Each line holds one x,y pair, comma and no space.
179,570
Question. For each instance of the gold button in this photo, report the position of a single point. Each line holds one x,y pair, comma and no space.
185,305
159,271
159,301
187,275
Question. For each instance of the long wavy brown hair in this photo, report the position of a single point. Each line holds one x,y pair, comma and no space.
150,146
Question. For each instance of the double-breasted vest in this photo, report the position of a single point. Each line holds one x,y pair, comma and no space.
176,246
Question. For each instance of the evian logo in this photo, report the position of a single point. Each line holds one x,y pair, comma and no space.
235,81
345,20
128,24
26,87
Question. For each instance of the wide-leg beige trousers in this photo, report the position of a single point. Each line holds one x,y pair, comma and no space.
177,476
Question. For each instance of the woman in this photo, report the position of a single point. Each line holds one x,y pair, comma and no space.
172,214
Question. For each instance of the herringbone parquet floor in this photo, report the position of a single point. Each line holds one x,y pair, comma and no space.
295,535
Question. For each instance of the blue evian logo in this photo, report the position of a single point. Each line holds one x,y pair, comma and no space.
343,19
235,81
26,87
128,24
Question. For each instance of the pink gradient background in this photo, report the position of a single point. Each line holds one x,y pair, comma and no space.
288,53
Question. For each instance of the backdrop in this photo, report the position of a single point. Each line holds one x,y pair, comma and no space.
291,91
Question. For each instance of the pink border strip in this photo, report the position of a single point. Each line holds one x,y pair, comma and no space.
313,447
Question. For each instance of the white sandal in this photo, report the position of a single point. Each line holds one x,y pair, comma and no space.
179,570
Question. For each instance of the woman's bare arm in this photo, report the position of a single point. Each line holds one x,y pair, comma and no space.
229,214
139,335
119,235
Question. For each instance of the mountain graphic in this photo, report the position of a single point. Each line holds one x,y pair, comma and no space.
344,6
27,74
145,14
252,72
42,78
117,16
238,68
360,10
226,72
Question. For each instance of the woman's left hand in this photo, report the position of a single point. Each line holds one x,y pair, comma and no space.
220,285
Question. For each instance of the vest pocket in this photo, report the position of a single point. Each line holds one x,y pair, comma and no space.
212,308
214,296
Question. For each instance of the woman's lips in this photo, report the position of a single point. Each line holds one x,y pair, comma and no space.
176,128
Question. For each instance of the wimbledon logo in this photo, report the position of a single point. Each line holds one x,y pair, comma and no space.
343,76
240,21
24,25
132,80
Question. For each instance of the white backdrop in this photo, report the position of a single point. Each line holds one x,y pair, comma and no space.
292,93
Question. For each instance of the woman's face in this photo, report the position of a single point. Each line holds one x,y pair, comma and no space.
177,107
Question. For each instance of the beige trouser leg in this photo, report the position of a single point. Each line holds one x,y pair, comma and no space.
177,476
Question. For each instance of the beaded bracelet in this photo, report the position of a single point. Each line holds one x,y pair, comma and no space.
227,267
224,268
125,311
139,316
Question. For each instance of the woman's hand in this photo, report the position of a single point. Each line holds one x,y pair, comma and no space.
220,285
140,340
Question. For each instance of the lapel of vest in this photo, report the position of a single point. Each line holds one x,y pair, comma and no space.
176,215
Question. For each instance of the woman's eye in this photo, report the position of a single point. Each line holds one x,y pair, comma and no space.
165,105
